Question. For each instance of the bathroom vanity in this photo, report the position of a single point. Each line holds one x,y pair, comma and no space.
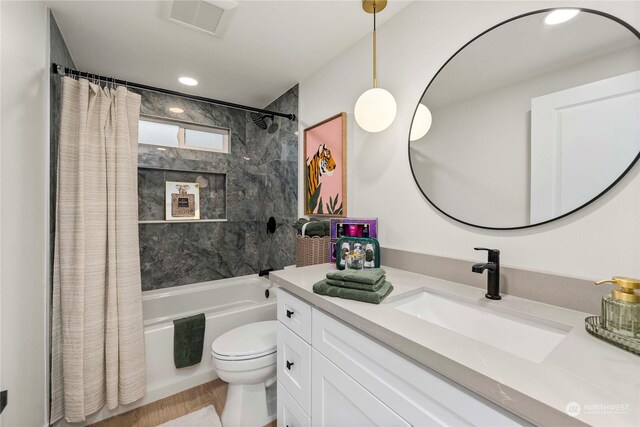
440,353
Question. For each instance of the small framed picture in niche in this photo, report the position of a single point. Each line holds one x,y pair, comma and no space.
182,200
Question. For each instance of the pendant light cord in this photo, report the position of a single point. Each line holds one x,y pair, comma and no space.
375,74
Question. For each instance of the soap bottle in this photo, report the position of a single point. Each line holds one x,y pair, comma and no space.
621,309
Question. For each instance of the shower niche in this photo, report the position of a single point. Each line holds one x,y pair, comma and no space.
152,198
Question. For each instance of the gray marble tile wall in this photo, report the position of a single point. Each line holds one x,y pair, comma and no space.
256,180
261,181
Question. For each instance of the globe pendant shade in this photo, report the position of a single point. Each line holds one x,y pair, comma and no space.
421,123
375,110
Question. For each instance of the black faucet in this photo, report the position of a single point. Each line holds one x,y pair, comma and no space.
493,275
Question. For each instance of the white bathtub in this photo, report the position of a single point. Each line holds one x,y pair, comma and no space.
226,303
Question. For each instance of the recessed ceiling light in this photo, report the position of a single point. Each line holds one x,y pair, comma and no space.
559,16
176,110
188,81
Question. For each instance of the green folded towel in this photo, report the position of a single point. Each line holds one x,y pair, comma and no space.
368,276
314,228
356,285
188,340
323,288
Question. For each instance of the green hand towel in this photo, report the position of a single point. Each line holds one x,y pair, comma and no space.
314,228
369,276
323,288
188,340
356,285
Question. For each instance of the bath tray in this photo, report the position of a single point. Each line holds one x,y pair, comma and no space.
593,325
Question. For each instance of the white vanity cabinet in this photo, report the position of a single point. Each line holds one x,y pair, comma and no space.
345,378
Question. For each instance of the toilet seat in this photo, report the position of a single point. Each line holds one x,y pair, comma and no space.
244,357
246,342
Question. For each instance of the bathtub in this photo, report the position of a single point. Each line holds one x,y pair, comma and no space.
226,303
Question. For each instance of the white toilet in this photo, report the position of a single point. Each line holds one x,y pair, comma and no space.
245,357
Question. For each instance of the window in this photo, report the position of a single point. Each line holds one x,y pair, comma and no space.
169,133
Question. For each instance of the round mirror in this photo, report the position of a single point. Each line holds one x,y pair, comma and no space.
530,121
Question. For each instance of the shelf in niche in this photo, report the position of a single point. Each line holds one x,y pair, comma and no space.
168,169
164,221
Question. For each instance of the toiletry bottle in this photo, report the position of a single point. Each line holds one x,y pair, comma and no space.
369,256
365,230
339,230
621,309
355,258
344,250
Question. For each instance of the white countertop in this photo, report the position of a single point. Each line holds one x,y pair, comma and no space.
604,380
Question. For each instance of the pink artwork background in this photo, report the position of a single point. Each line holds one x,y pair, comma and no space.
330,134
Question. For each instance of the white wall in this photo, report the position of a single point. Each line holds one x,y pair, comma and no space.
599,241
23,212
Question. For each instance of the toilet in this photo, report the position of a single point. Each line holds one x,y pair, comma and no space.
245,357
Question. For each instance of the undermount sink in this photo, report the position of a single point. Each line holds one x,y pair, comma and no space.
517,335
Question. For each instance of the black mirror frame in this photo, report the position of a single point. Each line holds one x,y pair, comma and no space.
613,184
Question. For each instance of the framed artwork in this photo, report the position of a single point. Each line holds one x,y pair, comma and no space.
325,153
182,200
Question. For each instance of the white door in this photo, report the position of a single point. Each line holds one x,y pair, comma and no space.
582,139
337,400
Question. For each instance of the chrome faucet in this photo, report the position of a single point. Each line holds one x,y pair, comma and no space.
493,272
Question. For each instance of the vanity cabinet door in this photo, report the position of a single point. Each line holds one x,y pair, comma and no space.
337,400
419,395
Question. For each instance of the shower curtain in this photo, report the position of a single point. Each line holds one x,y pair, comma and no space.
97,331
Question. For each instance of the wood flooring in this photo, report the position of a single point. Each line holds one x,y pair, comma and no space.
172,407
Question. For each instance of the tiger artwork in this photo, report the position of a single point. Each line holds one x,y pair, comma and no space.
321,164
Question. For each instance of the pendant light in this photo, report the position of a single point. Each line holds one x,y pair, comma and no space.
375,110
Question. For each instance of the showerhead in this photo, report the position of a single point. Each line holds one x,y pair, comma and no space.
260,121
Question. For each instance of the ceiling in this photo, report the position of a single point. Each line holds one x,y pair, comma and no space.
264,49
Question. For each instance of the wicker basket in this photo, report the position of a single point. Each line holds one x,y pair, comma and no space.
312,250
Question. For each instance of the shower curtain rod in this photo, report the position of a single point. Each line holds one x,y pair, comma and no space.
63,71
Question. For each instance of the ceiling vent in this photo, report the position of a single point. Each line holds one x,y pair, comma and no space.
200,14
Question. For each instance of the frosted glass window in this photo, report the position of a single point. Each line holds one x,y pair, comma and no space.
208,140
183,135
155,133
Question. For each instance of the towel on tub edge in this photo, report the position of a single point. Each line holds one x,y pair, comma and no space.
188,340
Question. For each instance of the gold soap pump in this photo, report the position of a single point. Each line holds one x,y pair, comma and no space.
621,309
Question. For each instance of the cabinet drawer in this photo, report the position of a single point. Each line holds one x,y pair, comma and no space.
294,366
296,314
290,414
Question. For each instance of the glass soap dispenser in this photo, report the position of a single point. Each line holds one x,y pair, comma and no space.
621,309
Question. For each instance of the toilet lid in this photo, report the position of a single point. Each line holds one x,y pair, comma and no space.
247,341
